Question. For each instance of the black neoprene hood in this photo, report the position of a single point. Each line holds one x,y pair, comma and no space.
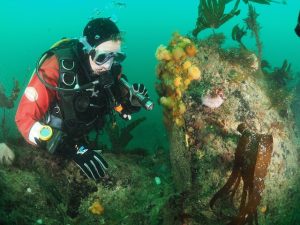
100,30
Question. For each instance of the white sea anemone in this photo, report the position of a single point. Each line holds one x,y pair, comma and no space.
212,102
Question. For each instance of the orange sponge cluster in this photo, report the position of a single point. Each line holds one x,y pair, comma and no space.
176,70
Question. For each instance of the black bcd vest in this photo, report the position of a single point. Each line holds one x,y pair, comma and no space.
81,110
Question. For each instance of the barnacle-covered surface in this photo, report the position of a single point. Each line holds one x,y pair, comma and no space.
209,137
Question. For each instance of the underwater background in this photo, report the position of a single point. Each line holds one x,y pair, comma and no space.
29,28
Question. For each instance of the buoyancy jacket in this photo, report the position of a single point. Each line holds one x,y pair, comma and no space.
74,112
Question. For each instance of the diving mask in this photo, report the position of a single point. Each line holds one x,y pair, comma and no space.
100,57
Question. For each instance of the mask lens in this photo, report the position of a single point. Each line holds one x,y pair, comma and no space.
102,58
119,57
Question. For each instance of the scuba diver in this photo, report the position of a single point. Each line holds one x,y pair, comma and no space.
297,28
74,86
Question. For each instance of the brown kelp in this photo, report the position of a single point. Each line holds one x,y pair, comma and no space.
252,158
211,14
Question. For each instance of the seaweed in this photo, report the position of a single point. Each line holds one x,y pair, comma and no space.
265,2
279,88
120,137
283,74
237,34
252,158
8,102
211,14
254,27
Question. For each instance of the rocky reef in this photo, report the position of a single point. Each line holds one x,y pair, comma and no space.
39,188
232,90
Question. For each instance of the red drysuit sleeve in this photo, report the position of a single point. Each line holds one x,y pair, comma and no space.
37,98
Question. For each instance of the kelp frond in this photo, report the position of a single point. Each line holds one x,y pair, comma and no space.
237,34
266,2
211,14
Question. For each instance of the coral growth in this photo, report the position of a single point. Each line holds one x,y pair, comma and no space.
176,71
96,208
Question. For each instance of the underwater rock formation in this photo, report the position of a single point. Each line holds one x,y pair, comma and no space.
206,138
47,189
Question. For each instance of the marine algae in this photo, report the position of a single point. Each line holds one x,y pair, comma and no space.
252,158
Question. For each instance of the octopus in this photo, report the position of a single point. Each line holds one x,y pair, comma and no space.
252,158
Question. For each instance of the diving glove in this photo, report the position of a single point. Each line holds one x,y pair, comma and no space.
90,162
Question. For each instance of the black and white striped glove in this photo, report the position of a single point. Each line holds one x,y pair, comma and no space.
90,162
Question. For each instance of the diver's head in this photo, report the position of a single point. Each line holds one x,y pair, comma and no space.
104,40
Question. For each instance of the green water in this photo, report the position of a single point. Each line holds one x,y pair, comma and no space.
28,28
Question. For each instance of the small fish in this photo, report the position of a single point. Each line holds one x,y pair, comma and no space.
120,4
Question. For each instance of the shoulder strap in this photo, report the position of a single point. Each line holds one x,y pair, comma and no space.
68,79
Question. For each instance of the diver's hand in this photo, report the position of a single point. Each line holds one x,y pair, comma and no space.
137,89
90,162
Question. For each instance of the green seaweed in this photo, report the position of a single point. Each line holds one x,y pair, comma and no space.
237,34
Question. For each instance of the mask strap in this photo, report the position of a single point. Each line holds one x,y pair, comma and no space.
87,48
